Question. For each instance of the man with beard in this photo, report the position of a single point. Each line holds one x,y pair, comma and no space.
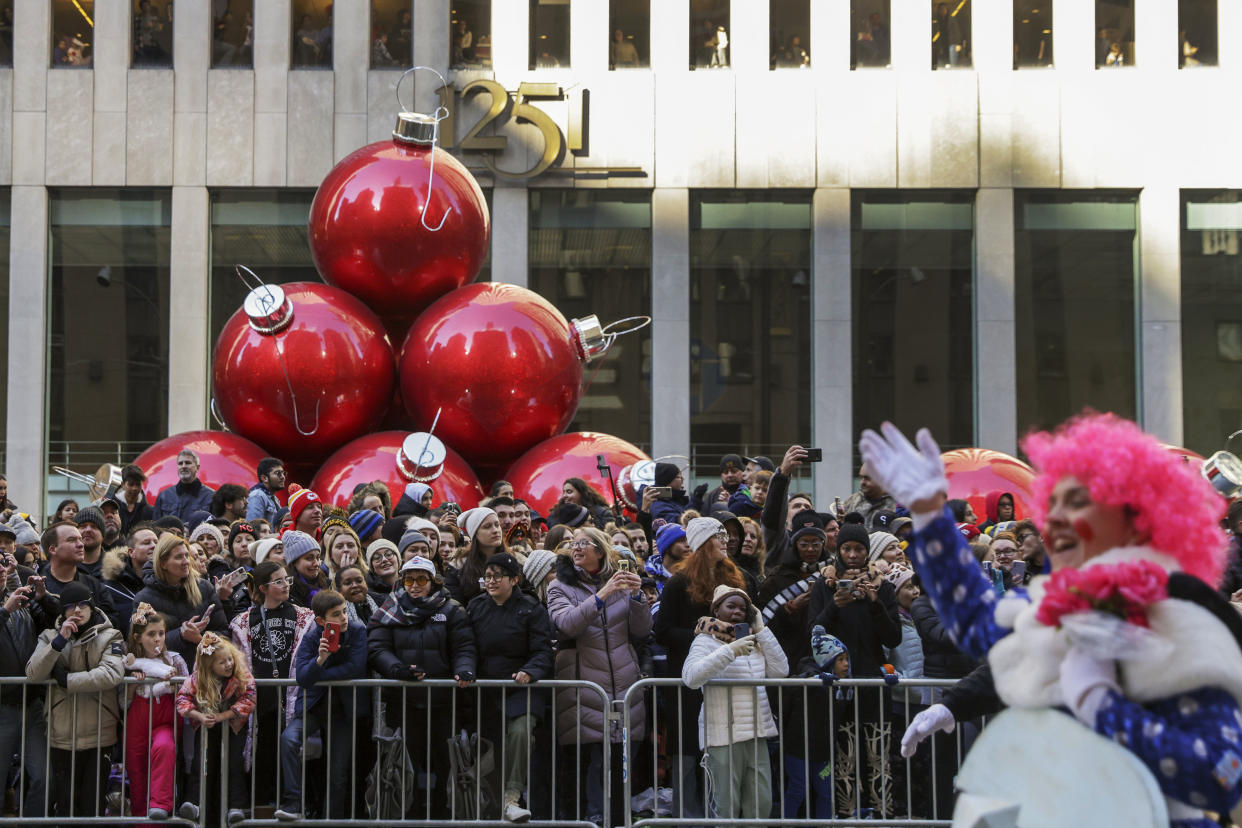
91,524
189,495
869,499
122,569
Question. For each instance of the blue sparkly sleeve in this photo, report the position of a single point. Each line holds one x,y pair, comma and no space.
1190,742
960,592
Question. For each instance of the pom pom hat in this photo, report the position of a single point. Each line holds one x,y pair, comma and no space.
1122,466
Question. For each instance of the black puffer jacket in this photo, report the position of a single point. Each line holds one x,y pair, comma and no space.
511,637
941,657
432,632
19,633
171,600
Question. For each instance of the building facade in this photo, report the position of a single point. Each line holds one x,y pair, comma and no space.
833,215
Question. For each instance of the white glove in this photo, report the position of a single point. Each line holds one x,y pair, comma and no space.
907,473
934,719
1085,682
743,646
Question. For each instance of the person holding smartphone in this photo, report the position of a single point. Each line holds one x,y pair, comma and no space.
335,649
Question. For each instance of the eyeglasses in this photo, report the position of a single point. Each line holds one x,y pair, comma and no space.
415,580
1025,536
385,553
723,537
79,605
495,577
286,581
581,544
1004,551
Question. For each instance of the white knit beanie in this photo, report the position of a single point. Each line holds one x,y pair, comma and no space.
700,530
880,542
470,520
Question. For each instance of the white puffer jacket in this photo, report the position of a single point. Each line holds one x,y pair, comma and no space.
734,714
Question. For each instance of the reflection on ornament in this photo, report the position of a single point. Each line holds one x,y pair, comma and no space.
222,458
540,473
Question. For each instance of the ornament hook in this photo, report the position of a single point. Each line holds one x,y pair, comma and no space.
615,329
439,115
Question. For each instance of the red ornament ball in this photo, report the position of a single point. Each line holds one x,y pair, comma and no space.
973,472
501,365
374,457
303,369
223,457
540,474
369,235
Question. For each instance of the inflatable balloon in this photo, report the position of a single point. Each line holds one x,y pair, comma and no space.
381,456
540,473
973,472
223,457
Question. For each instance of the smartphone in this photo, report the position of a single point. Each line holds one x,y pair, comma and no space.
814,455
661,492
332,634
740,631
625,565
1018,572
845,585
987,569
237,576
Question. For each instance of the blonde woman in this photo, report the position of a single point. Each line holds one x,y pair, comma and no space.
175,589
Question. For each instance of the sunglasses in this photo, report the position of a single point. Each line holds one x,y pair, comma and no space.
415,580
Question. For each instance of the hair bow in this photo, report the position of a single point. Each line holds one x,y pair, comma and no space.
209,643
143,614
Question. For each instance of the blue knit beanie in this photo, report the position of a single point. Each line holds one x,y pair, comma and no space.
668,535
365,521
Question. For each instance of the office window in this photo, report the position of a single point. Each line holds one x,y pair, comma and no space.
870,42
392,34
950,34
1211,317
590,253
912,258
629,34
1114,33
152,39
1075,261
470,34
1196,33
789,34
750,323
73,33
311,46
232,35
709,34
108,336
549,34
1032,33
6,33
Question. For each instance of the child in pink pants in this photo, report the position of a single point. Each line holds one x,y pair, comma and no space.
150,722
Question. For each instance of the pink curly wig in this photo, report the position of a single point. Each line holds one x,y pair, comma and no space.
1123,466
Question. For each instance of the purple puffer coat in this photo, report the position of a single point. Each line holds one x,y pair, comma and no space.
594,645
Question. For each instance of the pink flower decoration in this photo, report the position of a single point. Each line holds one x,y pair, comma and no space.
1125,590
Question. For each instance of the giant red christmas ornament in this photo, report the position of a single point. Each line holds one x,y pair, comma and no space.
303,368
540,474
973,472
223,457
382,456
503,365
399,223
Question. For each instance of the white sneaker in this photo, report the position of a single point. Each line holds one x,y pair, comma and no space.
516,813
188,810
235,815
287,815
157,815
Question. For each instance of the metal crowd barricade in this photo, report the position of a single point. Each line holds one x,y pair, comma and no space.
862,775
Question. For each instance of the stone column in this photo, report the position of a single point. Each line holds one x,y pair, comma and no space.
832,336
1159,346
26,436
996,380
510,237
670,322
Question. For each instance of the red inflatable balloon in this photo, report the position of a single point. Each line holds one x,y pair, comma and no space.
973,472
1188,455
500,363
375,457
303,368
540,474
370,236
223,457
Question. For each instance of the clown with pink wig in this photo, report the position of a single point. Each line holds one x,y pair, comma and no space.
1127,632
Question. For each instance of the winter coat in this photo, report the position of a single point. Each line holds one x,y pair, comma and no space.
183,500
670,510
511,637
992,507
741,505
772,519
941,657
19,632
171,600
103,595
432,632
123,582
261,503
129,517
238,696
239,599
734,714
378,589
598,645
407,505
857,502
94,664
865,626
907,657
349,662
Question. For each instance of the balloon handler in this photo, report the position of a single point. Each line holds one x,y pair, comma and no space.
1125,633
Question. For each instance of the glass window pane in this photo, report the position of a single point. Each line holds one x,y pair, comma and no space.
265,230
709,34
871,44
912,258
1114,33
232,36
1032,33
750,324
73,33
153,33
6,34
392,34
789,27
312,35
108,337
4,309
470,34
549,34
629,24
1196,27
951,35
590,253
1075,260
1211,317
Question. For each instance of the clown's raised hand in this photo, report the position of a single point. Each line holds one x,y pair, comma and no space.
909,474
